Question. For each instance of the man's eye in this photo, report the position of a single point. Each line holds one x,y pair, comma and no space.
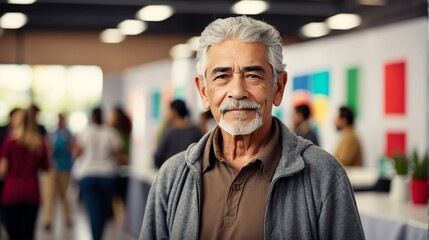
254,76
223,76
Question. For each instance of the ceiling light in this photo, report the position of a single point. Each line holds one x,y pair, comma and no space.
343,21
372,2
21,1
181,51
193,43
250,7
314,29
155,13
132,27
111,35
13,20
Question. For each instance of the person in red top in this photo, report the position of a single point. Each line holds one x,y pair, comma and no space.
23,154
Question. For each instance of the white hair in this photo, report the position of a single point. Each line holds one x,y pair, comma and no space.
245,29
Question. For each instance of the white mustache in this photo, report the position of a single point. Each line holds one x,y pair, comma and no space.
239,104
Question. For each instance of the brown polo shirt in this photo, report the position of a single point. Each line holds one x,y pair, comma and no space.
233,202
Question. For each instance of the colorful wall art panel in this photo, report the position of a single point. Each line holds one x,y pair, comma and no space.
313,89
352,89
301,90
394,88
320,99
155,104
396,142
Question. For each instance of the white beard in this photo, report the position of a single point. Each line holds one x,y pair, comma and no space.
240,128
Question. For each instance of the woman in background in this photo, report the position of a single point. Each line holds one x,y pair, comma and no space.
121,122
23,154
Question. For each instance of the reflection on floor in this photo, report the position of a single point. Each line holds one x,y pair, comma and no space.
115,228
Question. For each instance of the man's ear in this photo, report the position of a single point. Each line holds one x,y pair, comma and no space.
280,88
202,90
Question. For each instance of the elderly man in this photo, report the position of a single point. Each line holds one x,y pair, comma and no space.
250,177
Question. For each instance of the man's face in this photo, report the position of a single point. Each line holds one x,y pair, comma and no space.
340,123
297,118
240,88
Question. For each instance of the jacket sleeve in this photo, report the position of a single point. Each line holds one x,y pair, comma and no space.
339,217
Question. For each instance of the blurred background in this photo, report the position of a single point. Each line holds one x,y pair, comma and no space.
71,56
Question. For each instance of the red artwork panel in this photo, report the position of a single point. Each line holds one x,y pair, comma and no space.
396,142
394,88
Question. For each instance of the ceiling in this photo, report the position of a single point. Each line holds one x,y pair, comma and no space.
191,16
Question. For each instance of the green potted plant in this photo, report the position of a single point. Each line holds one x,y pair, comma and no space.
399,183
401,164
420,176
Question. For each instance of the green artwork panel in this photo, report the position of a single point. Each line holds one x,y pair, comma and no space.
156,104
321,83
353,89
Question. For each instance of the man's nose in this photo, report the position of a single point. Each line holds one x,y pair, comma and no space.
238,87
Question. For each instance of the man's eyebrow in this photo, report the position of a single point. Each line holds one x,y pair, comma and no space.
255,68
221,69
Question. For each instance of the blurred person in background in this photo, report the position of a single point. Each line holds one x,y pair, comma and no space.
302,125
120,121
348,151
4,132
7,129
97,152
179,133
23,154
58,178
35,109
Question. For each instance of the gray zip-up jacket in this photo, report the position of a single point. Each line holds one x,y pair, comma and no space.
310,196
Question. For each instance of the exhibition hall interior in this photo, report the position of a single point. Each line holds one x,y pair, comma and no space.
129,59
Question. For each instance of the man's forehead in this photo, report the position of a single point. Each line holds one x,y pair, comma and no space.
229,54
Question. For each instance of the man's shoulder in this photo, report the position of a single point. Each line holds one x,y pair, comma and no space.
318,160
173,169
323,171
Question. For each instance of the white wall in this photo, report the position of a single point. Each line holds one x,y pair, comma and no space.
112,93
369,50
138,85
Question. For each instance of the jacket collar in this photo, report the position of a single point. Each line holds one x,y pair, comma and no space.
290,163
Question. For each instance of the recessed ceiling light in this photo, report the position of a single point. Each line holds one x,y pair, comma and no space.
132,27
181,51
155,13
343,21
372,2
111,35
314,29
21,1
250,7
13,20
